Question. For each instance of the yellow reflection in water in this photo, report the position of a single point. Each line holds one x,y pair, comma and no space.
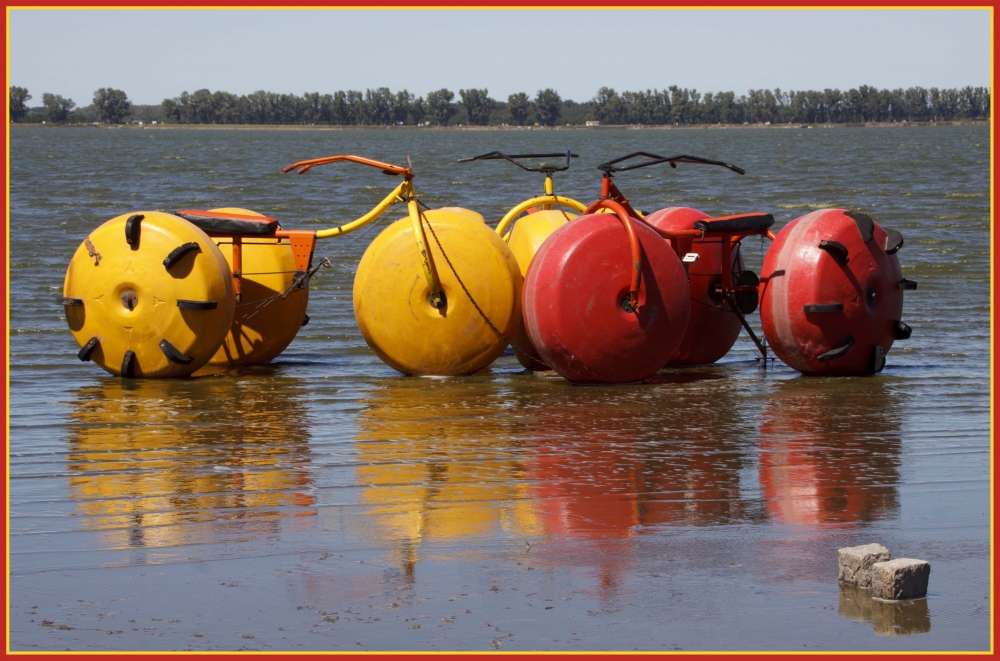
438,462
166,462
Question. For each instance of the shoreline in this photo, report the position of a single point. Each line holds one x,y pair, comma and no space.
363,127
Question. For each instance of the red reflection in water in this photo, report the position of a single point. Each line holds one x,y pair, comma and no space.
829,452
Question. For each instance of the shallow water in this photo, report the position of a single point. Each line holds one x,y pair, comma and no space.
327,502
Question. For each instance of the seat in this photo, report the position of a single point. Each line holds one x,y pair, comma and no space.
215,222
744,222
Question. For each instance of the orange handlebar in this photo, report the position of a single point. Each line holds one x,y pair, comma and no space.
633,240
305,166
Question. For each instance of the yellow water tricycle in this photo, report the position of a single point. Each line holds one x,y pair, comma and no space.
158,294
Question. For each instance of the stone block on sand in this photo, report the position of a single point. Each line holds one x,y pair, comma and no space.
902,578
856,563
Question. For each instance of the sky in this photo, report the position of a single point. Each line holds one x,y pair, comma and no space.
153,55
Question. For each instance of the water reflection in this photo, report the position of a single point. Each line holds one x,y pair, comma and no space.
830,451
438,462
158,463
888,618
607,462
461,458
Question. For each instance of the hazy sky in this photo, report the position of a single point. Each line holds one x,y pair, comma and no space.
153,55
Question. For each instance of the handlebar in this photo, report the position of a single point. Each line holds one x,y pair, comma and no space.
546,168
609,167
387,168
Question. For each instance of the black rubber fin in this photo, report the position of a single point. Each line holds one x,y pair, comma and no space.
840,350
893,242
837,250
823,307
171,352
907,285
128,365
902,330
877,360
196,305
178,252
68,302
865,224
132,230
87,349
305,320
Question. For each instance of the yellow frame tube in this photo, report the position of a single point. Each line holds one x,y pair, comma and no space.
514,213
437,300
400,194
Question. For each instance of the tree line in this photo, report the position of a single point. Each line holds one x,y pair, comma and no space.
864,104
382,107
111,106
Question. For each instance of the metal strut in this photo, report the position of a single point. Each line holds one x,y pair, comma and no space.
743,320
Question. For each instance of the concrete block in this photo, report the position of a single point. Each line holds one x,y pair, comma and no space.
856,563
902,578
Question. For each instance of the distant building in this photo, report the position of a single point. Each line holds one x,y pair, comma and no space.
593,122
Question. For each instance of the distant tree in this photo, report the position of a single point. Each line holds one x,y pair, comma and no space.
57,109
112,105
519,107
401,106
357,109
18,98
439,106
478,106
607,106
548,107
379,102
418,110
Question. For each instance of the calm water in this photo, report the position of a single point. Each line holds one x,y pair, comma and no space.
326,502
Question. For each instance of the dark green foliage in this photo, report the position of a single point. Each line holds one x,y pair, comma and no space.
57,109
519,107
670,106
18,99
864,104
478,106
548,107
112,105
439,106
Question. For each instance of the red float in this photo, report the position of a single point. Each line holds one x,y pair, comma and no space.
580,295
713,326
832,293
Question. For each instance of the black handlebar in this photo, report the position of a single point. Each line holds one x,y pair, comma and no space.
609,167
546,168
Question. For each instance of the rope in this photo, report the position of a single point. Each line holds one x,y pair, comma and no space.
303,282
466,289
296,283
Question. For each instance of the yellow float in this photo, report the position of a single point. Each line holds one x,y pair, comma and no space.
148,294
437,293
536,219
273,301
